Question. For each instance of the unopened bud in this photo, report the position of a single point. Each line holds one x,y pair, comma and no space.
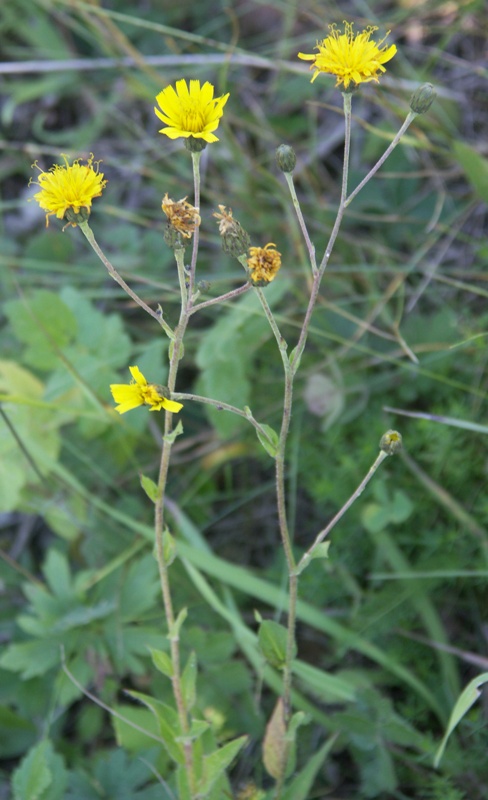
286,158
391,443
235,240
422,98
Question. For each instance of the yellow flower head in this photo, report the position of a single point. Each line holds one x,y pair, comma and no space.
263,264
182,216
68,189
352,58
190,112
140,392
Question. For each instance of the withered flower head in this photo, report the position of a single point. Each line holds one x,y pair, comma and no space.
182,216
263,264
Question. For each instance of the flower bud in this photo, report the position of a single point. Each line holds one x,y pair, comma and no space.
286,158
422,98
391,443
235,240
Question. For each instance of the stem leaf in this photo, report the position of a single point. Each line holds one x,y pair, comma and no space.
174,631
162,662
269,439
150,488
216,763
188,681
275,745
272,638
170,437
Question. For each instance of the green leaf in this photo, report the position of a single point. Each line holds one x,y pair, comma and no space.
127,735
188,681
44,324
320,551
272,639
33,775
149,487
330,688
302,783
466,699
31,658
269,439
275,744
169,726
177,431
226,354
162,662
174,631
215,764
475,167
169,547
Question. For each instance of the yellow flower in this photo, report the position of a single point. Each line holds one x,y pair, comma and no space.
66,190
140,392
190,112
181,215
263,264
352,58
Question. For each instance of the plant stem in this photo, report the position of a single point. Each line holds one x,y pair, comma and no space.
221,298
290,370
410,117
323,533
296,204
88,233
176,350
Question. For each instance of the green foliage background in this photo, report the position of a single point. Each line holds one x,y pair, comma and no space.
393,624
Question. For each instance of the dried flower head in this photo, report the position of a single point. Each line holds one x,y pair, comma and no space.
181,215
352,58
139,392
263,264
67,191
190,111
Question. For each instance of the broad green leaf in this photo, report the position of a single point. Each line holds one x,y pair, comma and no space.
132,738
272,639
226,353
31,658
58,575
44,324
33,775
466,699
215,764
